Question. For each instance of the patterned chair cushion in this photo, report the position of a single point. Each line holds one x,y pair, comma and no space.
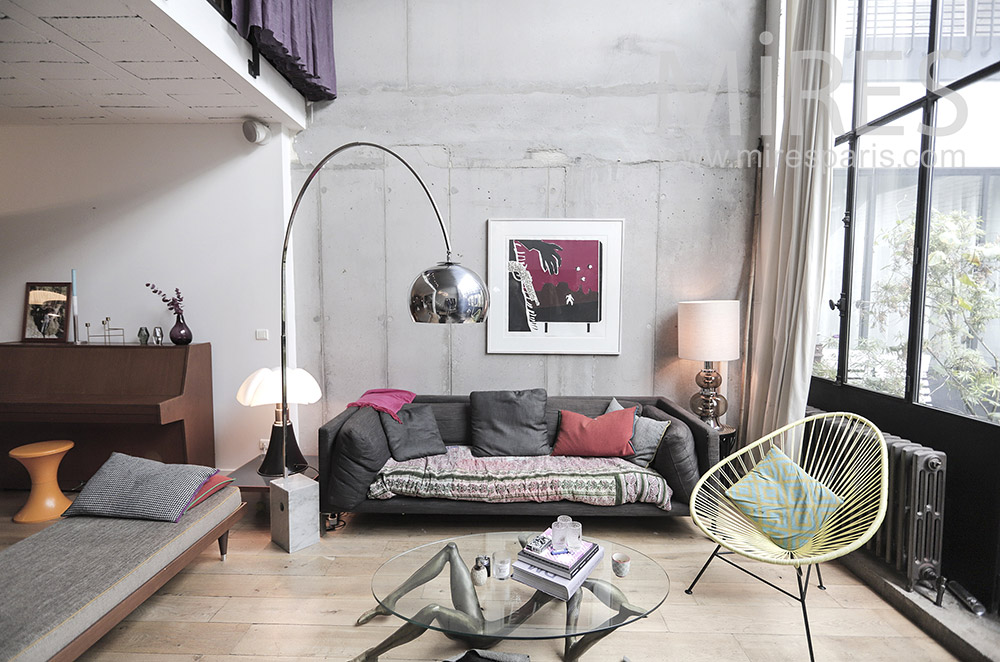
786,503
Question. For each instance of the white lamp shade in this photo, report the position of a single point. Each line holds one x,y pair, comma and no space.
708,330
263,387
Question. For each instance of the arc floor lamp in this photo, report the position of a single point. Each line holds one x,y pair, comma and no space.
446,293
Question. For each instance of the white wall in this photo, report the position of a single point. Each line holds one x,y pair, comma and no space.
194,207
525,109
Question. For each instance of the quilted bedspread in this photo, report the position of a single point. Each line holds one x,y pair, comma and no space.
458,475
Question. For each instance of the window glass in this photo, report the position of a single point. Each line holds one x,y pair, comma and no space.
961,337
894,55
828,324
970,37
844,42
884,218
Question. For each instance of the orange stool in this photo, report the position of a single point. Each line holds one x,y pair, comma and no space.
46,500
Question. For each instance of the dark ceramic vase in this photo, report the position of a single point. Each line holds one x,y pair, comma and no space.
180,334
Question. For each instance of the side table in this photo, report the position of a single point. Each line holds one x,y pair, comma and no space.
727,441
248,480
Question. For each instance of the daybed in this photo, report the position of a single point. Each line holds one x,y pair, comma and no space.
66,586
353,451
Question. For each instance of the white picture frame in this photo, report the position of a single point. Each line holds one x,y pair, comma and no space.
568,314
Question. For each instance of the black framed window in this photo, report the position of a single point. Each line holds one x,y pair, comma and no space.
913,260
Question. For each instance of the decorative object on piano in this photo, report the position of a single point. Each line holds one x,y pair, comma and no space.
157,335
263,387
47,311
75,307
180,334
143,335
108,333
175,303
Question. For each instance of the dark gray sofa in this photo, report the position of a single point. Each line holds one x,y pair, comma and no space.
350,455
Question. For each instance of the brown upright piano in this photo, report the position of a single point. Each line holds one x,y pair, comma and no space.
145,400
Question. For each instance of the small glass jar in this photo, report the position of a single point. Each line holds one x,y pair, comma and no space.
559,534
501,566
574,536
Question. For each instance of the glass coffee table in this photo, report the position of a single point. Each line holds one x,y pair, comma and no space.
430,588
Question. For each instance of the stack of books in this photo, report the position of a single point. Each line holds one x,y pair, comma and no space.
555,571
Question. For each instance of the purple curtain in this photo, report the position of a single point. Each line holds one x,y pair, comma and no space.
296,36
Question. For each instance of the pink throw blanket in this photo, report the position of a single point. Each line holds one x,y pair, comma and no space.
389,400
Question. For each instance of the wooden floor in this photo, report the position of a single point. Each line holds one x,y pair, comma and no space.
264,604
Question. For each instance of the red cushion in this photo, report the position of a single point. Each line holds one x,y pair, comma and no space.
211,486
605,436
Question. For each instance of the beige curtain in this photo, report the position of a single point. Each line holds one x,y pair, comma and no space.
794,219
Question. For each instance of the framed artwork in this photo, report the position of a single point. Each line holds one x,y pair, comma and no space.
46,311
555,286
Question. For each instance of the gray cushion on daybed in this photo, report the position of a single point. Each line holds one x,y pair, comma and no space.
47,597
360,452
140,488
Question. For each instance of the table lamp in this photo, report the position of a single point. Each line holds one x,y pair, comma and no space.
263,387
708,331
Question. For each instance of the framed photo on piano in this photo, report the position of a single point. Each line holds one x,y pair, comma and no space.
47,312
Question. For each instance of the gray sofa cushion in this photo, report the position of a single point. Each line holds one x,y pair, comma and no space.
361,449
509,423
137,488
676,459
647,434
414,435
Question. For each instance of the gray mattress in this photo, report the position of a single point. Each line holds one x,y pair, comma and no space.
60,581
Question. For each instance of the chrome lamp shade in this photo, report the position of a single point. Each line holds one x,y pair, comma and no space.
448,294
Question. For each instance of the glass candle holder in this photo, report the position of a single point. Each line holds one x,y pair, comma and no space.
574,535
501,566
559,530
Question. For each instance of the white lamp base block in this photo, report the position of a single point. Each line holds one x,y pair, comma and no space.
294,512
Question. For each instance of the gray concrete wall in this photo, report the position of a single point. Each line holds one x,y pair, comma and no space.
525,109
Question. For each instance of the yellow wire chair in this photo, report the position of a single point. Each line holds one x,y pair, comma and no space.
844,452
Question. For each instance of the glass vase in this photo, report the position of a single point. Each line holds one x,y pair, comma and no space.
180,334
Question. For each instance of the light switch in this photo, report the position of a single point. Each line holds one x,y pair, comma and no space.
262,334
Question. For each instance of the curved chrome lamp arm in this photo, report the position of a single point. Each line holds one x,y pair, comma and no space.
284,259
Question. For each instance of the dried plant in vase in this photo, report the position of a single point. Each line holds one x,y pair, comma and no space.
180,334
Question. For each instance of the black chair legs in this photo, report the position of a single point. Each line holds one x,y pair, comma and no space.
690,589
803,587
803,584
